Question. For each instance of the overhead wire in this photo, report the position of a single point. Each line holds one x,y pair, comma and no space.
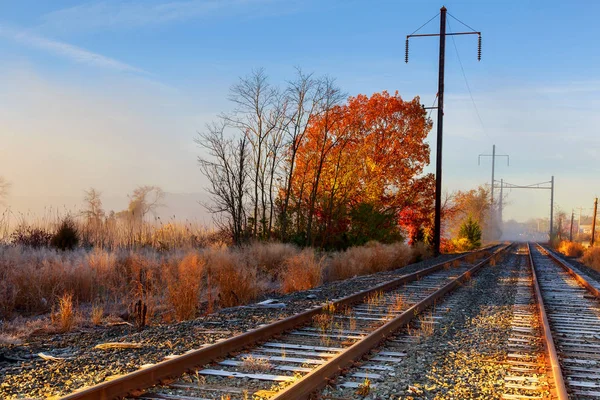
466,80
461,22
421,27
418,29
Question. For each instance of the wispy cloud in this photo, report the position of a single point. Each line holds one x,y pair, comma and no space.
113,14
67,50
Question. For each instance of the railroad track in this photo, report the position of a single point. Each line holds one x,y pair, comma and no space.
570,310
291,358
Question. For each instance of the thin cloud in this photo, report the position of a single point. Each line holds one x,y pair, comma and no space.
69,51
111,14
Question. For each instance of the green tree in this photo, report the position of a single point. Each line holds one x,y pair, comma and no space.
471,231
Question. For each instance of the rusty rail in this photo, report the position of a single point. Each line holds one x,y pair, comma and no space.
318,378
141,379
571,272
559,382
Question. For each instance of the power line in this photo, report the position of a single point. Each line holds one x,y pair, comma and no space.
461,22
419,28
467,81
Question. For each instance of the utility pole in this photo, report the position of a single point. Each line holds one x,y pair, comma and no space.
437,229
571,230
594,222
501,199
542,185
493,155
551,206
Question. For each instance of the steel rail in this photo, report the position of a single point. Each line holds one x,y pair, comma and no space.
137,381
318,378
559,381
571,272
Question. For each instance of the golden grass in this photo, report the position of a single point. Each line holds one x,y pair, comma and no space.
591,258
184,288
237,283
65,316
370,258
571,249
302,271
97,314
173,284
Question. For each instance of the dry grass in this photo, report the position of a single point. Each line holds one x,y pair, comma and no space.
184,288
571,249
97,314
302,271
371,258
65,316
591,258
256,364
172,284
237,283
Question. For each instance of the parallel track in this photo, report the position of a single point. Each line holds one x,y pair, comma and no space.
570,310
306,356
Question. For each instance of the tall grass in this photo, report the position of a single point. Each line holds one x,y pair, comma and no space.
591,258
368,259
174,284
114,232
571,249
302,271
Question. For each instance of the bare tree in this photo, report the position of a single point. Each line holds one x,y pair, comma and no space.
258,115
145,199
93,214
227,171
303,97
93,205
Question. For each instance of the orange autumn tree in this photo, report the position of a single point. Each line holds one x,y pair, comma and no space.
359,173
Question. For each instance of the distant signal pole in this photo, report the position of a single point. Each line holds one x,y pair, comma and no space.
493,155
440,117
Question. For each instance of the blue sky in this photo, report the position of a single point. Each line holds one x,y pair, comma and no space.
110,94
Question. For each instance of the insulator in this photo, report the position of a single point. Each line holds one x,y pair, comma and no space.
479,49
406,52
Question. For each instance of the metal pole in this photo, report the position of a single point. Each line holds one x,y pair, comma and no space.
594,221
493,166
501,199
551,205
571,230
440,126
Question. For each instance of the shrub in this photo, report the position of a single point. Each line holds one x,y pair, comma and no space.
67,236
302,271
471,231
28,236
591,258
571,249
184,288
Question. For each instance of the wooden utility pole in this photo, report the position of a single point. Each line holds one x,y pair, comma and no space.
571,230
594,221
437,229
437,232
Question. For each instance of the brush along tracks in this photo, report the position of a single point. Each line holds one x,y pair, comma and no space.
317,343
570,309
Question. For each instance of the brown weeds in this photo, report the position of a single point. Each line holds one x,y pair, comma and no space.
302,271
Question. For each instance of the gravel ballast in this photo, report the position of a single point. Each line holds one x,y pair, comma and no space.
464,356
